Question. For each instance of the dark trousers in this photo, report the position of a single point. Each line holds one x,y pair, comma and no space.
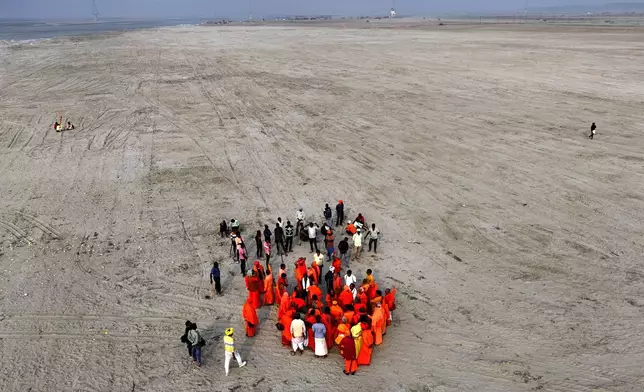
289,244
189,349
340,219
268,259
243,266
313,242
217,285
259,248
196,354
279,244
375,245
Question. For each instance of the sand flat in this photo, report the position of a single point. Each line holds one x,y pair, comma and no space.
514,241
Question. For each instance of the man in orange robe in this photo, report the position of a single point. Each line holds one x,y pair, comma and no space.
310,320
300,271
253,284
314,289
258,269
328,324
337,265
285,305
250,315
286,320
269,294
390,300
344,329
348,350
336,311
282,284
346,297
377,323
364,357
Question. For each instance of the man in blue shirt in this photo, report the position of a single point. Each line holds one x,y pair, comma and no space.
215,283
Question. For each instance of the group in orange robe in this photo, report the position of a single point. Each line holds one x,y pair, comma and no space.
250,315
364,357
310,320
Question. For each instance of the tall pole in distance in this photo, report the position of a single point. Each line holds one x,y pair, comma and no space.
250,10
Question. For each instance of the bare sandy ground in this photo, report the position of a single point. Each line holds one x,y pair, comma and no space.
524,271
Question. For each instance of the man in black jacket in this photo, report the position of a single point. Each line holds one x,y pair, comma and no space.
279,239
339,211
343,247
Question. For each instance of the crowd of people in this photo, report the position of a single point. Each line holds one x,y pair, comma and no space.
315,310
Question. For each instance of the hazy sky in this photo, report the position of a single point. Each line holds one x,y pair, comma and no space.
238,8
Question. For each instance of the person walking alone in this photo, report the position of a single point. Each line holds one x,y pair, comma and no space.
197,342
343,247
592,131
215,282
229,345
243,256
288,233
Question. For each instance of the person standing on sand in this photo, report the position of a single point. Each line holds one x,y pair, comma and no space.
373,233
339,212
268,248
343,247
195,339
328,216
330,243
215,282
223,229
229,346
258,243
242,257
313,235
298,334
300,220
319,333
279,239
592,131
250,316
184,337
288,233
267,233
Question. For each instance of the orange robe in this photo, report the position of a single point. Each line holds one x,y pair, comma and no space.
364,358
259,272
348,350
326,320
342,331
300,271
250,315
337,265
377,324
346,298
337,312
252,284
309,331
286,320
285,306
281,286
269,298
315,290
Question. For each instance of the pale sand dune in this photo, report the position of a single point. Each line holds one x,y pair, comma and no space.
527,274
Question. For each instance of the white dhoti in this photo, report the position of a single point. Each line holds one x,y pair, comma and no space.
320,347
298,343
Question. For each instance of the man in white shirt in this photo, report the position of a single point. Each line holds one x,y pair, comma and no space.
349,278
313,235
298,334
300,220
373,240
357,245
